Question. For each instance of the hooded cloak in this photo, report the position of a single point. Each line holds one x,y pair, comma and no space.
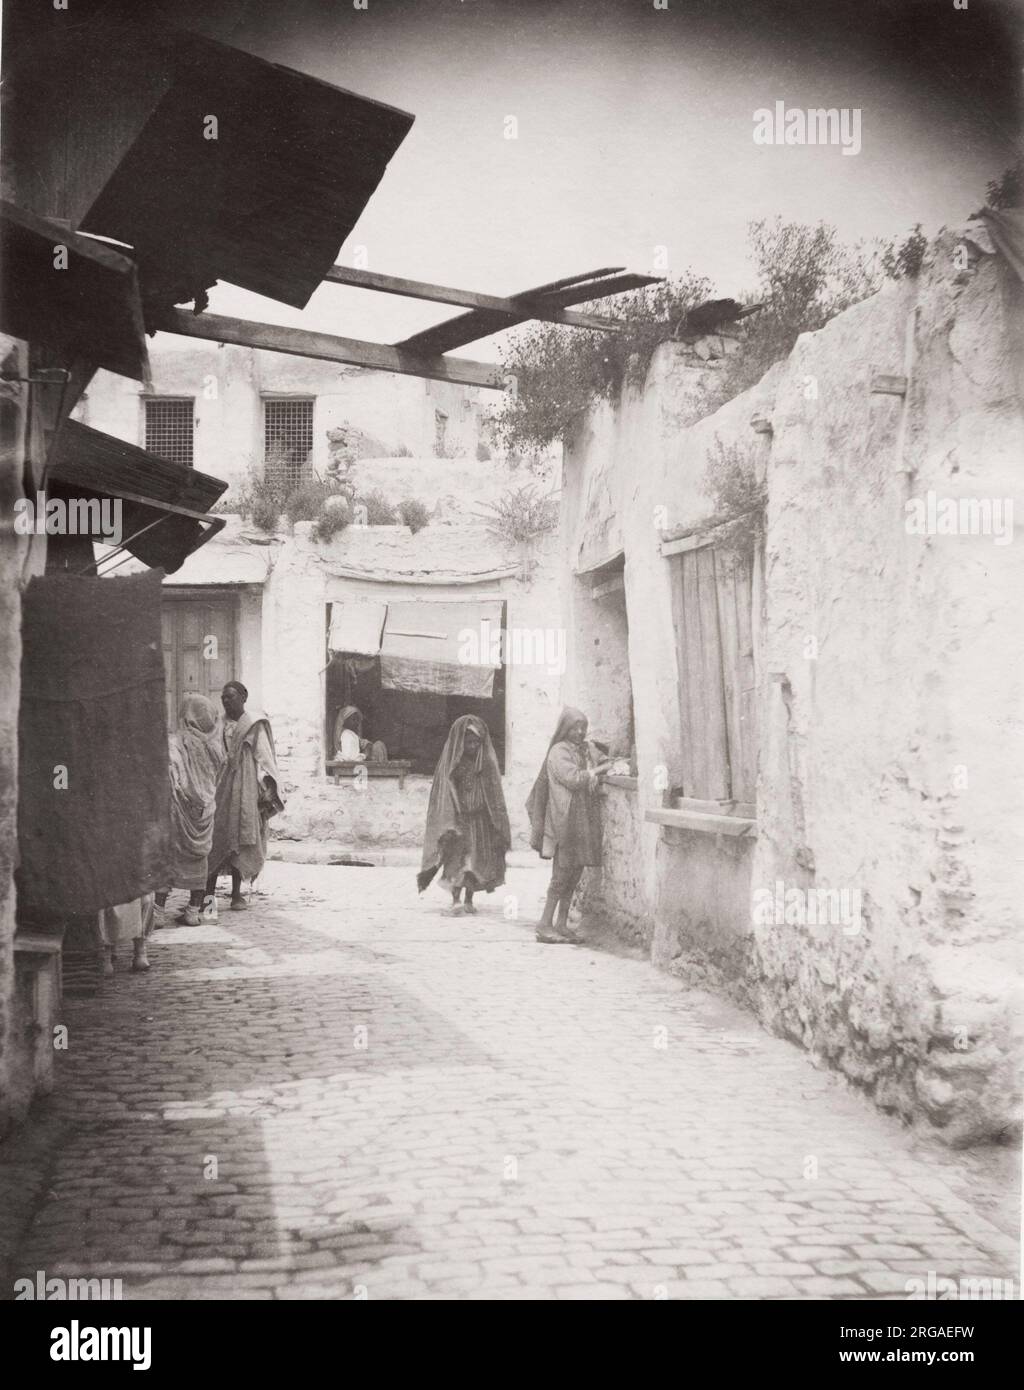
447,815
564,813
196,757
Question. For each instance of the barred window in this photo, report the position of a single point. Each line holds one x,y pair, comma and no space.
170,429
287,439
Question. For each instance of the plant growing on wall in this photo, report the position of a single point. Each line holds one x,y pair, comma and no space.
257,500
1007,191
379,511
306,502
737,495
905,260
805,276
557,373
331,520
413,513
520,515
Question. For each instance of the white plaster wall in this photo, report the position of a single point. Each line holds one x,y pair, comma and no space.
283,654
916,683
228,384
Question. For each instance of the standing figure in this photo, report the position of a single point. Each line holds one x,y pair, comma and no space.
350,745
247,797
565,820
126,922
467,834
196,756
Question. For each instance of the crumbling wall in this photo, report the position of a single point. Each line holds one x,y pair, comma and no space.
888,688
890,691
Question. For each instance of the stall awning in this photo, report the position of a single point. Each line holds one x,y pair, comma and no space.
211,163
442,648
70,294
356,628
163,504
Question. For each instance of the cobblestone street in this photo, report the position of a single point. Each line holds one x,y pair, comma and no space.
401,1104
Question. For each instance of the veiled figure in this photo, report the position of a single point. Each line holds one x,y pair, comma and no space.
467,834
196,757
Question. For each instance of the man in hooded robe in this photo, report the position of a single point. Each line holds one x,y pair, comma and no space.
196,756
565,819
467,835
247,797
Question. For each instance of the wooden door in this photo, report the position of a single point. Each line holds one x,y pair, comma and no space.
199,641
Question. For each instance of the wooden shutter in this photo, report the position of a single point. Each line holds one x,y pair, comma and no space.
715,643
705,750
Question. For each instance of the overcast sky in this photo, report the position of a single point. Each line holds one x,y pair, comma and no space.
635,130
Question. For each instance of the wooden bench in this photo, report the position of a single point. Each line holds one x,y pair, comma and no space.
341,767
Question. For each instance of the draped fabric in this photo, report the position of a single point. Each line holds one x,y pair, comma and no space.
356,627
467,822
444,648
422,676
197,755
247,796
564,810
93,804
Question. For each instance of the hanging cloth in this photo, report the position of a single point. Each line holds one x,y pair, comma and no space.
93,789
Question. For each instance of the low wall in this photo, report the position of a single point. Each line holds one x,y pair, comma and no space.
357,814
612,897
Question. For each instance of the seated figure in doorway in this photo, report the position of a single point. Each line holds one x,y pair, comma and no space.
349,742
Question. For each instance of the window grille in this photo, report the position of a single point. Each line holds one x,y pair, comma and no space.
287,440
170,429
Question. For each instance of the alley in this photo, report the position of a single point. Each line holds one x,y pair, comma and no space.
343,1093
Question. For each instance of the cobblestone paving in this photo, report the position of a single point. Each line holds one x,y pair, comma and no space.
400,1104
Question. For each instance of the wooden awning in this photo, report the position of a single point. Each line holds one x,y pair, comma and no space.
212,164
70,294
164,504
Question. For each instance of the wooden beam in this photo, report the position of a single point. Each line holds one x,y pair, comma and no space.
466,299
685,543
700,820
885,384
481,323
302,342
